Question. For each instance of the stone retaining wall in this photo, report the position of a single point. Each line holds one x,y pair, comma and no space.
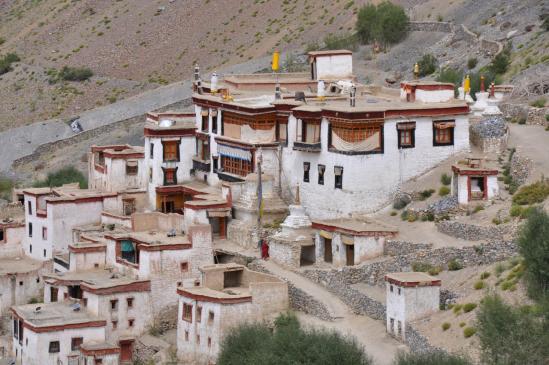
395,248
520,168
494,145
532,114
299,300
138,121
473,232
444,27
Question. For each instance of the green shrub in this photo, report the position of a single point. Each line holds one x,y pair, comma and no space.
496,221
478,208
426,194
454,265
469,331
500,267
462,324
515,211
251,344
404,215
427,65
393,213
506,285
443,191
539,103
6,186
430,358
75,73
421,266
479,285
341,41
6,62
63,176
472,63
522,120
469,307
446,326
484,275
435,270
501,62
386,23
445,179
532,194
457,308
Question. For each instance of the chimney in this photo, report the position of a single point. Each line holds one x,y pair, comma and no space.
278,93
199,86
196,72
353,96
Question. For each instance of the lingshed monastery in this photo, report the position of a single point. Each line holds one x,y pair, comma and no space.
147,237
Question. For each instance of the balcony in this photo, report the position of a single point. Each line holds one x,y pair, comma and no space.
225,176
307,146
201,165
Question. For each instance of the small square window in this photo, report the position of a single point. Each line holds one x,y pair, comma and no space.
76,342
209,342
184,267
129,301
114,325
210,317
54,347
131,322
44,252
338,172
187,312
114,304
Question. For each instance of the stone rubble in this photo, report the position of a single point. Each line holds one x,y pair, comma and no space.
493,127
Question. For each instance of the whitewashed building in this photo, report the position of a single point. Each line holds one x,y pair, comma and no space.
410,295
337,147
474,180
228,295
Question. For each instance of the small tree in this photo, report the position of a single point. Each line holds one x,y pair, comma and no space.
534,247
366,22
386,22
427,65
511,335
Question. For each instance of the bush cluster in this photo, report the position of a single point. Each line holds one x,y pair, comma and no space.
7,61
75,73
63,176
427,65
532,194
386,23
445,179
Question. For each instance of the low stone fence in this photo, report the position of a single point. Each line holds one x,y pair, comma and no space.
494,145
473,232
444,27
520,168
395,248
419,343
299,300
533,115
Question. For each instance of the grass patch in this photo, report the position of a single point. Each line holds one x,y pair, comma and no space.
484,275
421,266
426,194
6,186
454,265
443,191
532,194
66,175
7,61
479,285
538,103
446,326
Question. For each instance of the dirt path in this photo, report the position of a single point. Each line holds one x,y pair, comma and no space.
368,332
533,142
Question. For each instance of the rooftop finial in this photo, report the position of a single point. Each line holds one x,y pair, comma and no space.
297,198
416,71
196,72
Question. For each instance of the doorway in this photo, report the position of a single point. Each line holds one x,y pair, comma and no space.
307,256
328,250
126,351
350,254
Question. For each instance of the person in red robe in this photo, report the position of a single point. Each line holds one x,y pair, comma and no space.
264,250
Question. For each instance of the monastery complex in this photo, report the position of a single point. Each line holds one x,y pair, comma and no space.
156,235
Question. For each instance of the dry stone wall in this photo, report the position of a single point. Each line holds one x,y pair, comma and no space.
520,168
473,232
533,115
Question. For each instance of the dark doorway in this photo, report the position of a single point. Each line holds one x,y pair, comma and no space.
350,253
75,292
232,279
307,255
54,292
328,250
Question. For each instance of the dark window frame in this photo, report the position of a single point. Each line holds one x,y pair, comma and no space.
400,132
436,135
54,347
338,179
306,172
321,173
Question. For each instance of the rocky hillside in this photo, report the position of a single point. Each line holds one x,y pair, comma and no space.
135,45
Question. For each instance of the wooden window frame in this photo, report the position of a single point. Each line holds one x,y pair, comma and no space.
30,229
282,124
205,127
184,266
236,166
168,155
167,171
131,322
443,137
44,233
187,313
406,135
129,302
131,170
114,304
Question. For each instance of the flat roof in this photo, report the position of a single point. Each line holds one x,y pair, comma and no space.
412,279
94,279
18,265
354,226
55,315
329,52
